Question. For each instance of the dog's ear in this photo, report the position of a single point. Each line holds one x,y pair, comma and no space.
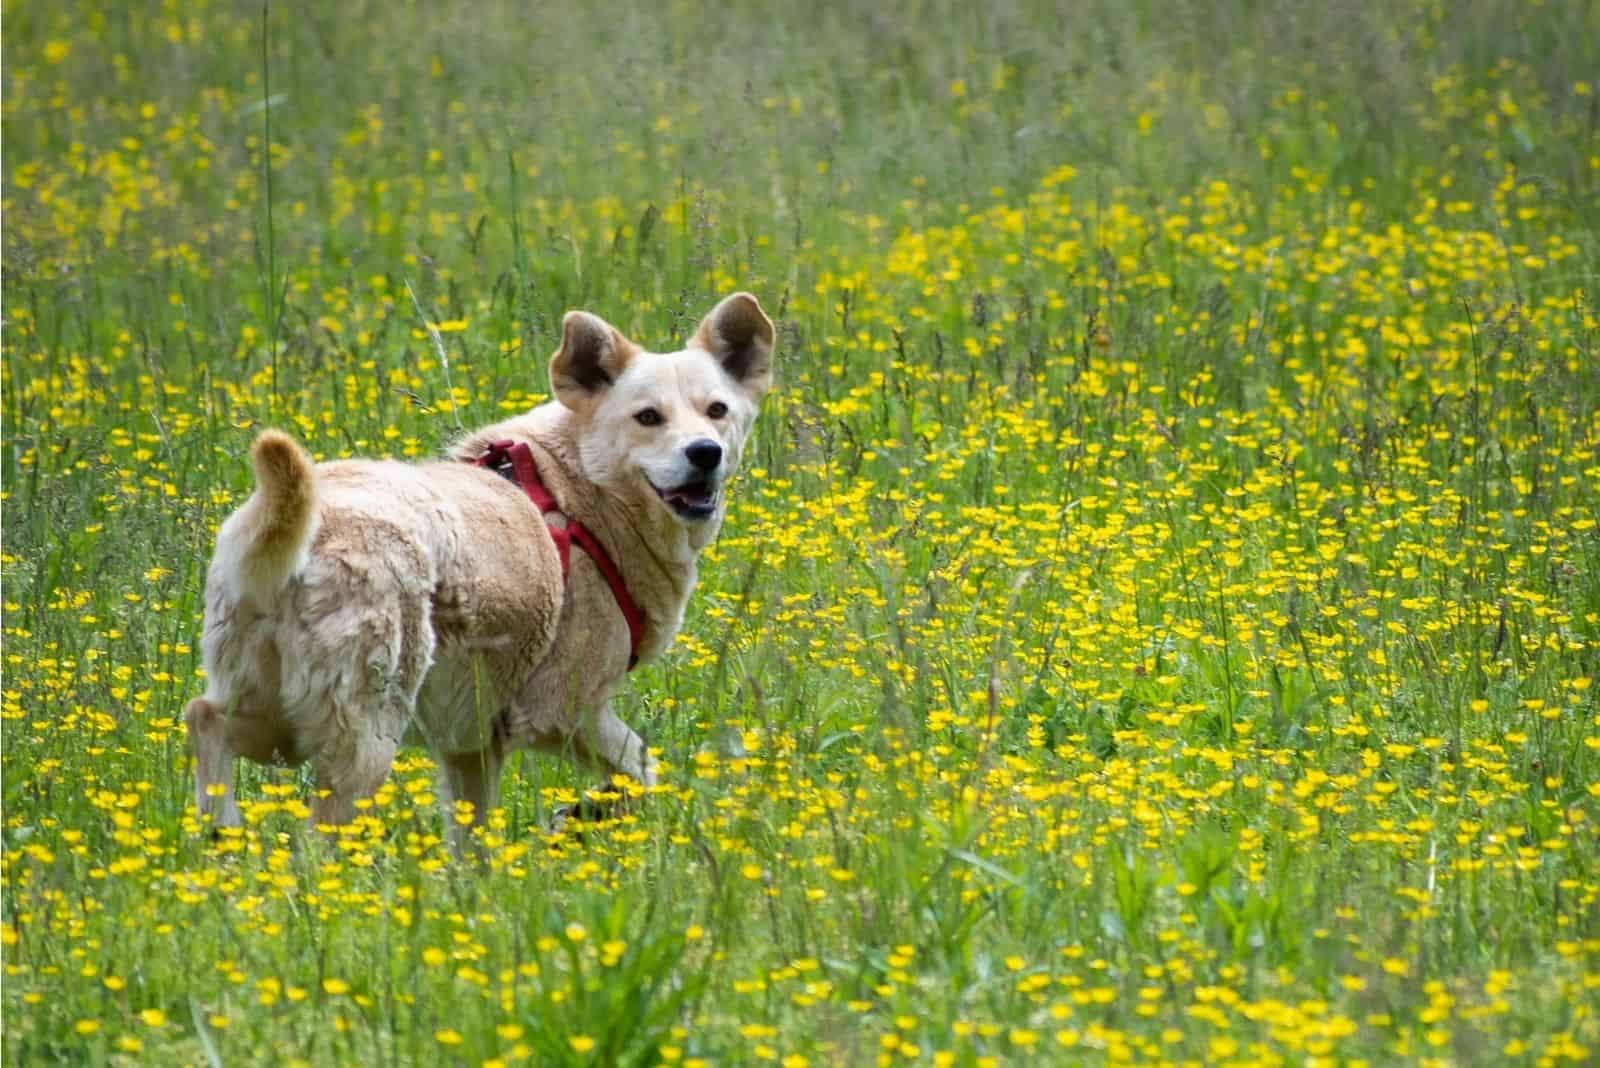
739,334
592,355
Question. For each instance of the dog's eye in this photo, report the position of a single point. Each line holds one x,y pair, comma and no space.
717,410
648,417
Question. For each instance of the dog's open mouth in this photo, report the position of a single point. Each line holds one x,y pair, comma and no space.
695,499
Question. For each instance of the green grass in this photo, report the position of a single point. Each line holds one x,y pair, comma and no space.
1157,623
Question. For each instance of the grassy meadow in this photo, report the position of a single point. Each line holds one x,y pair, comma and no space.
1157,623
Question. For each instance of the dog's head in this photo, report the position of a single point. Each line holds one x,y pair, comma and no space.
668,427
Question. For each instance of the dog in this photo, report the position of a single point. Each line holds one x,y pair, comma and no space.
483,603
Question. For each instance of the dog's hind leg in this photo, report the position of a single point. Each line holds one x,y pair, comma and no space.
207,721
367,717
354,770
352,729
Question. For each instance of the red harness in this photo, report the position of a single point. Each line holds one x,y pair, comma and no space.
514,460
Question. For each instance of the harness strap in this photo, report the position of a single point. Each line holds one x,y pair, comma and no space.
514,460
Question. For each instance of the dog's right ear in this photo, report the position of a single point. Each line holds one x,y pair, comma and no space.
592,354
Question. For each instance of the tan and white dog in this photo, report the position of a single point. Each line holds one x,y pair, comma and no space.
356,604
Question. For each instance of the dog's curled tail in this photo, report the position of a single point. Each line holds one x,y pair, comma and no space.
275,527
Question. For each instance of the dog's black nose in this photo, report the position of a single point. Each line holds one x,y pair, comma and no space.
704,454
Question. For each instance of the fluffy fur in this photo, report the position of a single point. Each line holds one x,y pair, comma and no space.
355,605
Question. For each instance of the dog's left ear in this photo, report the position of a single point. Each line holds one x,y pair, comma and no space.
592,355
740,336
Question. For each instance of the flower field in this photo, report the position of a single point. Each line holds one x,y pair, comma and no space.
1157,623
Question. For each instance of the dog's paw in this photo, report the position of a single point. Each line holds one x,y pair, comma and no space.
568,819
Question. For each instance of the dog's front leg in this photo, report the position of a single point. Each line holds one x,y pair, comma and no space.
473,778
611,746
